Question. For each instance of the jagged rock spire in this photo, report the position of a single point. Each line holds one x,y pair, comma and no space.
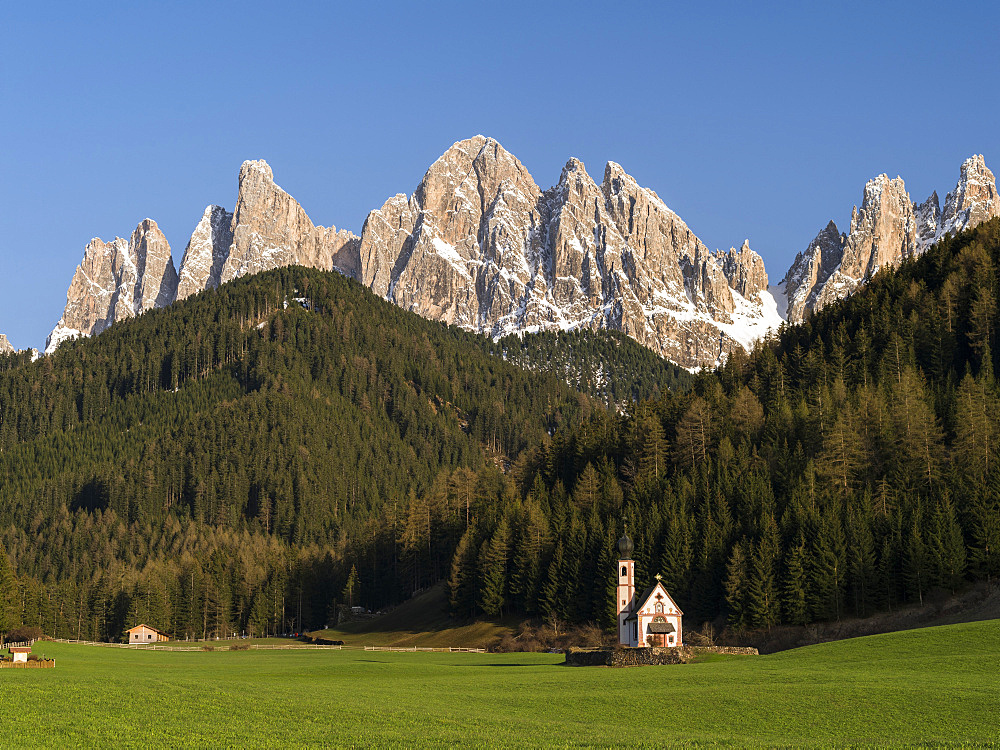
886,230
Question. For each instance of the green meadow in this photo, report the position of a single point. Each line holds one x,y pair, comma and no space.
932,686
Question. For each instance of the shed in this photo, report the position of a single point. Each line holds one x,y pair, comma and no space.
145,634
20,653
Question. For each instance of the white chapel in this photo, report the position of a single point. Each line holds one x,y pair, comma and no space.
650,619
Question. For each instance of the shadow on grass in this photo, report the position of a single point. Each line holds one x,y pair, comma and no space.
502,664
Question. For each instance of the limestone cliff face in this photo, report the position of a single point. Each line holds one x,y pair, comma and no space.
206,252
117,280
5,346
270,229
810,271
480,245
885,231
745,270
928,218
974,199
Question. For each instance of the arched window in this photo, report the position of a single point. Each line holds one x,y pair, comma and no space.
659,607
624,571
659,619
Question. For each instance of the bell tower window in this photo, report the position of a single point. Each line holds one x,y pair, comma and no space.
624,571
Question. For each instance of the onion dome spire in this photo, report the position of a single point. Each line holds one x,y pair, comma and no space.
625,546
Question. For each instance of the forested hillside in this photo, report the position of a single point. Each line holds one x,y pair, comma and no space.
846,466
605,364
222,464
255,455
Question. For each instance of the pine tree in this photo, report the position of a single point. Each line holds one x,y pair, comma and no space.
736,584
462,583
861,562
947,546
351,587
841,453
916,563
9,595
694,434
551,603
495,574
533,542
794,597
763,607
678,553
587,489
828,569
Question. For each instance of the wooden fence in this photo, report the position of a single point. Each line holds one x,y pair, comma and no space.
206,646
20,644
46,664
211,646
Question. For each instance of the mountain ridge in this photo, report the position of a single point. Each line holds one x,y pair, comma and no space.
480,245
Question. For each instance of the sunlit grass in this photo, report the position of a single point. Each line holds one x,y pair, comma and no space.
937,685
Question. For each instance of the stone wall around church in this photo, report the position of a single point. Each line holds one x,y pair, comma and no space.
654,656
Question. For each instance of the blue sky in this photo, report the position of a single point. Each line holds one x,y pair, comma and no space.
749,119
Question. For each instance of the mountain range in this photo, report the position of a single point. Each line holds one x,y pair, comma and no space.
480,245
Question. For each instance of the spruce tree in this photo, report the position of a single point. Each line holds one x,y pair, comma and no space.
794,598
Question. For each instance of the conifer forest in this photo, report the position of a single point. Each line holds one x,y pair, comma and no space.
248,459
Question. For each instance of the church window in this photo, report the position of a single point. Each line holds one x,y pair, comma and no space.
624,571
659,607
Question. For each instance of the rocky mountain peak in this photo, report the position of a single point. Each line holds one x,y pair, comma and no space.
5,346
744,268
270,229
256,170
928,218
117,280
479,245
974,199
883,231
156,278
206,252
887,229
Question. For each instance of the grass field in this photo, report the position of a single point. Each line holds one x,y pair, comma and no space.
931,686
420,621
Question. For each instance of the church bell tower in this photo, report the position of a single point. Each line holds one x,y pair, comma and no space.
626,588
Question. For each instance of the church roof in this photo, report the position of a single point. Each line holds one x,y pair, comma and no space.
641,600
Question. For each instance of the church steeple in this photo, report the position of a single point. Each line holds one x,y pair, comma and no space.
626,587
625,547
